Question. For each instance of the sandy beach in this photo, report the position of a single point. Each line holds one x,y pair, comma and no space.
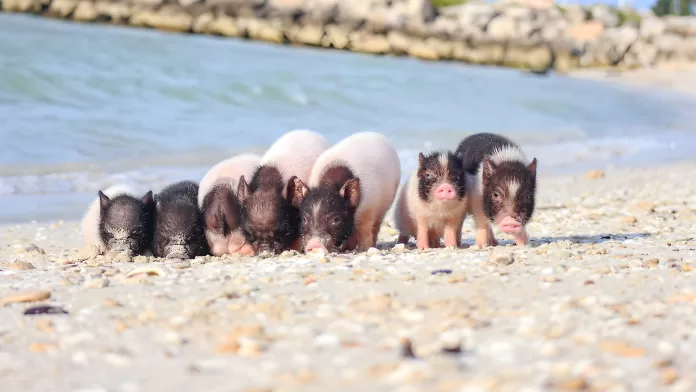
602,299
676,77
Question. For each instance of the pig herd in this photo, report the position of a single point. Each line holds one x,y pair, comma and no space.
304,194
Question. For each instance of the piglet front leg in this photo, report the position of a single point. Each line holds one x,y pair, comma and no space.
484,233
521,237
422,239
452,234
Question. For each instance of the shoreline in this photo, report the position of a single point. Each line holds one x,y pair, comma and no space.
558,38
601,299
678,78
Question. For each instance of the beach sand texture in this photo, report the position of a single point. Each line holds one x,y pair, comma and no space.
602,299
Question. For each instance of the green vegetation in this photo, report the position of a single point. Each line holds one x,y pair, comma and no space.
628,17
446,3
666,7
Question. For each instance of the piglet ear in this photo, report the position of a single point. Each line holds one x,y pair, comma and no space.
295,191
243,190
488,168
103,200
532,167
148,198
421,159
351,192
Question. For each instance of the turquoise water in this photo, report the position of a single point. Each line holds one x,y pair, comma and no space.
85,106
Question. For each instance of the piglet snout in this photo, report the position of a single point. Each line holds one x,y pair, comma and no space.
312,244
510,225
445,192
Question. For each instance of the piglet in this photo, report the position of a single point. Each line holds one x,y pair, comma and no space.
351,188
502,186
119,221
179,229
269,219
220,206
433,202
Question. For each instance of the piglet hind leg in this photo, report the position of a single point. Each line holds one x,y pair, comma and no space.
434,238
375,231
484,233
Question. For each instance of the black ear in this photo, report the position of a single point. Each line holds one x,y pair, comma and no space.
103,200
532,167
488,168
243,190
148,198
351,192
295,191
421,160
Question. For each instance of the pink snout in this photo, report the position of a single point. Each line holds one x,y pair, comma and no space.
445,192
312,244
510,225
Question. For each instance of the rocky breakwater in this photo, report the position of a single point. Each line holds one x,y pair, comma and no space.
506,34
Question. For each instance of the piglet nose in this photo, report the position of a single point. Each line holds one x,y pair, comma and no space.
445,192
312,244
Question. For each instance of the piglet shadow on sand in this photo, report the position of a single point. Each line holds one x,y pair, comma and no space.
585,239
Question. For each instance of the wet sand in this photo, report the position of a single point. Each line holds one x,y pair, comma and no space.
603,299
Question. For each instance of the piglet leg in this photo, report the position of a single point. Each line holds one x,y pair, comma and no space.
422,241
375,230
403,239
484,233
521,238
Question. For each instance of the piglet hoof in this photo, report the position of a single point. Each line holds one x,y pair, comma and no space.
246,250
422,244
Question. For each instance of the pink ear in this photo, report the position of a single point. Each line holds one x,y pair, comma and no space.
533,167
242,190
488,168
351,192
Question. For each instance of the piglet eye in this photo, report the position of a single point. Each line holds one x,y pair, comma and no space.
496,195
336,220
304,220
428,175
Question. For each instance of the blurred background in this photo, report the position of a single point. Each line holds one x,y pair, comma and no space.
87,105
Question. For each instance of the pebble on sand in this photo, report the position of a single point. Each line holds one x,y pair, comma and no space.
30,296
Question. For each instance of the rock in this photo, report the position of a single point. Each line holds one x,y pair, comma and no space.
285,10
167,18
335,37
30,296
320,11
29,6
586,31
115,12
680,25
85,12
369,43
501,29
97,283
651,28
594,174
20,266
574,14
61,8
502,258
605,15
443,49
629,220
264,30
202,23
225,26
422,51
669,376
621,349
399,43
536,58
306,35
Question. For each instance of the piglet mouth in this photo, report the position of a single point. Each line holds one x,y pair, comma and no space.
510,225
